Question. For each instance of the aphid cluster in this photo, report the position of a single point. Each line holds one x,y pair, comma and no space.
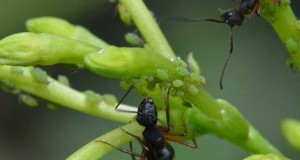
231,17
154,144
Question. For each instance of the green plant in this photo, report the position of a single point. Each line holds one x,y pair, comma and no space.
70,44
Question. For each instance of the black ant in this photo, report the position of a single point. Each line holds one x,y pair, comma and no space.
232,17
154,144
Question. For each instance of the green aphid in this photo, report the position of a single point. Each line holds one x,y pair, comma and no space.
15,91
40,75
178,83
149,78
140,84
182,71
8,83
179,62
198,79
53,106
125,85
291,64
110,99
28,100
17,70
63,80
292,45
92,98
193,90
193,65
162,74
134,40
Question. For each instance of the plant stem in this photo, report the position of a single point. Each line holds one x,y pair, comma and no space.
96,150
148,27
284,22
60,94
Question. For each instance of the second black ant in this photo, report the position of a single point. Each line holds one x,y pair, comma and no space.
154,144
233,18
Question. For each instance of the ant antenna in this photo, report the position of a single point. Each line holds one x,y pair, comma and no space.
125,95
184,19
227,59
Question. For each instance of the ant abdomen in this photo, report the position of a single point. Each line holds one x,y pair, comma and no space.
246,7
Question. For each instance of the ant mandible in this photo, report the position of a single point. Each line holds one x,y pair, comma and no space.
232,17
154,144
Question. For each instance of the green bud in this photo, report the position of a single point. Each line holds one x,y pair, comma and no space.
63,28
234,123
28,49
291,131
124,14
124,62
28,100
266,157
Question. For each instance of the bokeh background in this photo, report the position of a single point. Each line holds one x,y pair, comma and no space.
257,80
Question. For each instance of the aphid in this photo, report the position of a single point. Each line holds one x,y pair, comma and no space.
233,18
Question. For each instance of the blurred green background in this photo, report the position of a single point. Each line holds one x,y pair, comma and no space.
257,81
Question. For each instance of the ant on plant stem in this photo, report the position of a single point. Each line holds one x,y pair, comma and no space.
154,144
231,17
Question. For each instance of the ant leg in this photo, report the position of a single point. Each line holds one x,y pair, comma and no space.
258,8
138,139
168,109
194,145
227,60
122,150
276,2
130,146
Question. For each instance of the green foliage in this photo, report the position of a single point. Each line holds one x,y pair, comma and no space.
151,71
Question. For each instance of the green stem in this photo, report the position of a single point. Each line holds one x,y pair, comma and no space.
148,27
96,150
58,93
284,22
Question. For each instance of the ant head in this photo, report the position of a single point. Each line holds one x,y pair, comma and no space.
232,18
147,113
